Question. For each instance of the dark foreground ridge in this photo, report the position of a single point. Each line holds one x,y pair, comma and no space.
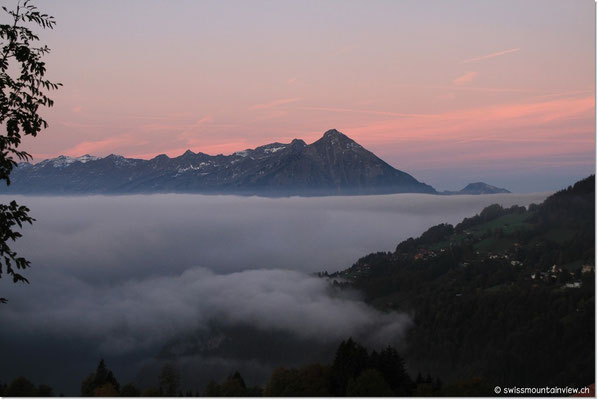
504,298
332,165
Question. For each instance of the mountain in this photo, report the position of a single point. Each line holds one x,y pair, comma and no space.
491,294
333,165
479,188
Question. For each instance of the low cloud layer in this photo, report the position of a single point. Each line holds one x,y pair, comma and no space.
106,239
121,276
140,313
133,270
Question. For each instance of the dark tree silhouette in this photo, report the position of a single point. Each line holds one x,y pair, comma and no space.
309,381
169,380
233,386
369,383
21,387
350,360
101,383
22,93
130,390
392,367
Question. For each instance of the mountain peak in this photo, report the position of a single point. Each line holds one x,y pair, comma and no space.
336,139
333,136
482,188
479,188
188,153
298,142
331,133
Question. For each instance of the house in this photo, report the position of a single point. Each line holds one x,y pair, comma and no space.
554,269
572,285
587,269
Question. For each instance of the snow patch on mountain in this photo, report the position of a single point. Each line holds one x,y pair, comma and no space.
65,161
274,149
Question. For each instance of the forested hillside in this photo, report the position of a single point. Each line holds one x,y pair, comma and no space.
505,297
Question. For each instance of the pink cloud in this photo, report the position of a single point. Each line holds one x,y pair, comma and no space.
78,125
274,103
36,157
270,115
491,55
426,155
476,89
177,126
544,125
190,133
560,131
360,111
448,96
94,147
502,121
466,78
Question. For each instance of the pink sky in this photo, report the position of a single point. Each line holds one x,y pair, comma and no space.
447,91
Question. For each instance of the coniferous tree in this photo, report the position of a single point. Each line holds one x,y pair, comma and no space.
350,360
169,380
392,367
102,380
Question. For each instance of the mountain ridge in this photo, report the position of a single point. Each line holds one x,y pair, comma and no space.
477,188
333,165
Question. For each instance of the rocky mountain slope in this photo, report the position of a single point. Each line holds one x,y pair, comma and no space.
332,165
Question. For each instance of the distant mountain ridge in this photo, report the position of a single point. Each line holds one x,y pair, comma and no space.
479,188
333,165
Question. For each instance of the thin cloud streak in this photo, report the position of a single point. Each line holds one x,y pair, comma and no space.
372,112
274,103
461,124
465,78
95,146
491,55
474,88
509,132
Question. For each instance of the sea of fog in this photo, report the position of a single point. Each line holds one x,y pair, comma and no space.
130,278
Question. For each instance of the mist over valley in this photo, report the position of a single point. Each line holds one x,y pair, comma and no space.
205,280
